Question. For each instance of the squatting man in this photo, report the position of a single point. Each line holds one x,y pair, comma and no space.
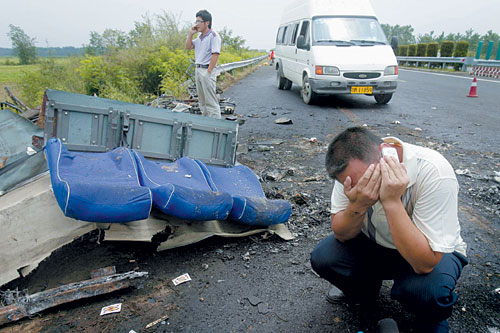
393,218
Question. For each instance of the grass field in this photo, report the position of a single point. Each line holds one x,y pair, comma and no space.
11,75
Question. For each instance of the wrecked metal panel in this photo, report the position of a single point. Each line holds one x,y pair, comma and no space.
33,226
215,145
138,231
15,135
86,123
16,165
185,234
154,137
181,232
16,173
32,304
84,128
68,98
103,271
12,313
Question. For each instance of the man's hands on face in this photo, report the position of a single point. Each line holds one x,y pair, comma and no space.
394,180
386,181
366,192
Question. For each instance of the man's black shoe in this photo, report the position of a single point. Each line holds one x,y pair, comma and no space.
387,325
336,296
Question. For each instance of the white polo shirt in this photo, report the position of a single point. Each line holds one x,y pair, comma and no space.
431,201
205,46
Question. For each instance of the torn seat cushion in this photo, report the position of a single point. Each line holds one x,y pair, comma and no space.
180,189
250,205
97,187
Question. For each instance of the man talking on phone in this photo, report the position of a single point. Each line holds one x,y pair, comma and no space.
206,53
394,217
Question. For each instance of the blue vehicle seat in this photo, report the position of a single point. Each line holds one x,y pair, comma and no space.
121,186
250,205
97,187
180,189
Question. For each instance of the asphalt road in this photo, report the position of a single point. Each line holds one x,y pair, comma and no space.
264,284
438,103
435,102
430,109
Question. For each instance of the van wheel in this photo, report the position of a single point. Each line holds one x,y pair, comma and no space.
383,98
281,81
308,96
288,85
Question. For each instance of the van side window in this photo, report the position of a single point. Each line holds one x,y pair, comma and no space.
304,31
283,37
294,33
288,34
279,36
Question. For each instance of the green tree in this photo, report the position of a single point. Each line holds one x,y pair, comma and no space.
404,33
426,38
472,38
403,50
447,48
490,36
236,43
143,35
115,39
432,49
110,40
164,29
96,45
421,49
170,32
23,45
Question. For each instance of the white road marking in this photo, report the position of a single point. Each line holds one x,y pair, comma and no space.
455,76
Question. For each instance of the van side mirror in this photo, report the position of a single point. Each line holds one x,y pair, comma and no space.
394,44
301,43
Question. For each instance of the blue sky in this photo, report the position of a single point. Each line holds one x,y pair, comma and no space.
69,22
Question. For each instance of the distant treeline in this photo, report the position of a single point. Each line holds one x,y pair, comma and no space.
406,36
136,66
66,51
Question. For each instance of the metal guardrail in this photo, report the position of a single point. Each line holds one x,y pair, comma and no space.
234,65
466,61
483,62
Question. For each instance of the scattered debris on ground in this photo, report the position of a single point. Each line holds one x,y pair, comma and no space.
17,305
283,121
19,107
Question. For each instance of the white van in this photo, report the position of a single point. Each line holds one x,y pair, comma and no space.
335,47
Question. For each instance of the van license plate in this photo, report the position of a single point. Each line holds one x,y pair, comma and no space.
361,90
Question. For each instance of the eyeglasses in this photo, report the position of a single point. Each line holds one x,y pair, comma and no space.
198,21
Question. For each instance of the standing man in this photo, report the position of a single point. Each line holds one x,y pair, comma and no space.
271,58
206,53
393,218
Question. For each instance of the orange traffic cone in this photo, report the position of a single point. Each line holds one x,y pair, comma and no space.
473,89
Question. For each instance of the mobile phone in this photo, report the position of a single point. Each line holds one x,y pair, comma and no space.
390,151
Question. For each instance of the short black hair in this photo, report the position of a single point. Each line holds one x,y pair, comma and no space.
206,16
352,143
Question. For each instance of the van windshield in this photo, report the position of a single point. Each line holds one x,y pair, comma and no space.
347,31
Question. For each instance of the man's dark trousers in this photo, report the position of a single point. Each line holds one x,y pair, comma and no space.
358,266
